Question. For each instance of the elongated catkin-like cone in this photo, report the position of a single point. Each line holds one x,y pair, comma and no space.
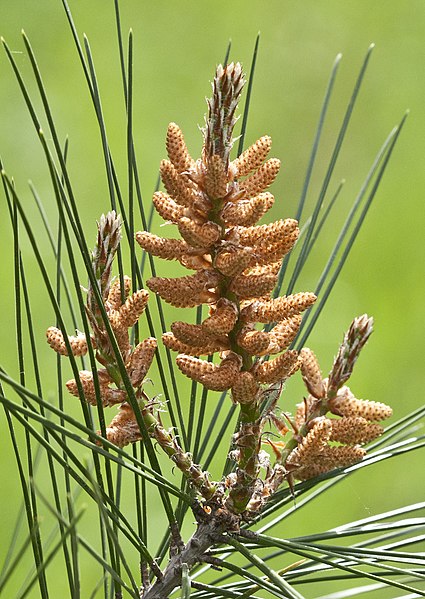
225,374
207,348
250,286
177,185
332,457
194,368
114,300
169,249
133,308
123,429
311,373
279,368
176,148
120,331
312,445
248,212
196,261
55,339
345,404
216,178
232,261
277,309
255,343
341,456
223,318
215,377
271,233
198,236
285,331
191,334
273,252
166,207
185,292
354,430
140,361
108,396
262,178
252,157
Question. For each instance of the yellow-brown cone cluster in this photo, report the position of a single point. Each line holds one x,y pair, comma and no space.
215,204
326,442
123,310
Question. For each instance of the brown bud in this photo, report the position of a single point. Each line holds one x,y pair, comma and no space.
354,339
227,87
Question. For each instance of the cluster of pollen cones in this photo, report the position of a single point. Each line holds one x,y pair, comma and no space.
215,204
333,422
122,311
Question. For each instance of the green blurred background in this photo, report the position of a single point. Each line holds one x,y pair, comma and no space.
176,48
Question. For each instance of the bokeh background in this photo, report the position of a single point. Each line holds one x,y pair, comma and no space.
176,48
